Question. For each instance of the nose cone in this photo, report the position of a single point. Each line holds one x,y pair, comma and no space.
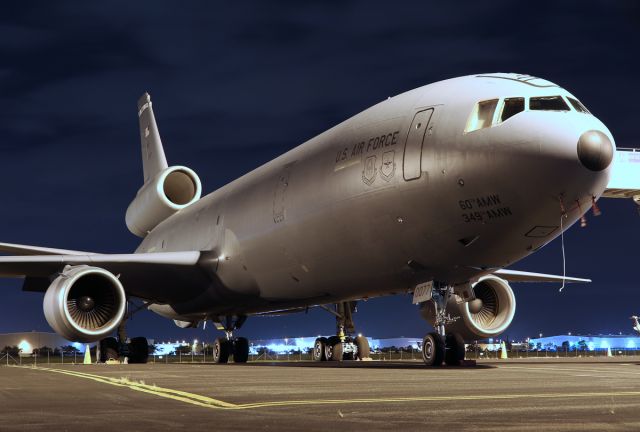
595,150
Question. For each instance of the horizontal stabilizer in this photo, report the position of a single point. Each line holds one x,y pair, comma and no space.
18,249
625,175
522,276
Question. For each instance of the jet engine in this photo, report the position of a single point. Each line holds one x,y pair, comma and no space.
169,191
84,304
489,315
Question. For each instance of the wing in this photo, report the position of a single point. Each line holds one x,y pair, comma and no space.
522,276
162,277
19,249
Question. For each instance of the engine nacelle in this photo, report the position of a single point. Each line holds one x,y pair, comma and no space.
85,304
169,191
489,315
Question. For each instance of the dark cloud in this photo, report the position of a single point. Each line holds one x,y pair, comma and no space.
235,85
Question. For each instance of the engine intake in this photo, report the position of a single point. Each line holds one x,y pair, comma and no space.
489,315
84,304
171,190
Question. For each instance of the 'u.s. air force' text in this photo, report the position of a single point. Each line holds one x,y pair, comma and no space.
372,144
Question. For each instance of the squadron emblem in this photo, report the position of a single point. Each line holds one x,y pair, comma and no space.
388,167
370,170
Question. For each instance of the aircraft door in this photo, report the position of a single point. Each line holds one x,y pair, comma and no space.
412,162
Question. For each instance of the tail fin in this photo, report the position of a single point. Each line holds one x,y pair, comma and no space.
165,190
153,158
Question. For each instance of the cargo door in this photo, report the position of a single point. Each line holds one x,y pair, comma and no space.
412,161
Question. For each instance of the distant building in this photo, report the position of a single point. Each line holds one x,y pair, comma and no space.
28,341
285,345
591,343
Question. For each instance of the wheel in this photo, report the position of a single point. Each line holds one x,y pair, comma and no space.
338,351
454,349
363,348
138,350
318,349
433,349
241,350
330,346
221,350
109,349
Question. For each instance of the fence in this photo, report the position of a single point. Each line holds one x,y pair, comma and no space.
76,357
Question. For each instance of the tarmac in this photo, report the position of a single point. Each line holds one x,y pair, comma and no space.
508,395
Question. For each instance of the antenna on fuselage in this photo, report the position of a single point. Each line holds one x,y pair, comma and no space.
563,214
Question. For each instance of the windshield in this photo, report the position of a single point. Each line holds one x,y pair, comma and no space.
512,106
548,103
482,115
578,105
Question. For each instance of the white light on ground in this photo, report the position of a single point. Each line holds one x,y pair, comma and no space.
25,347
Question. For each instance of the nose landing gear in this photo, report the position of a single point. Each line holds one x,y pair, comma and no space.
440,346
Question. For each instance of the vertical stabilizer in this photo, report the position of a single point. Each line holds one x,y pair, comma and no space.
165,190
153,158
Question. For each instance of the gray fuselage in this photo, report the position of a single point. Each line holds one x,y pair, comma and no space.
396,195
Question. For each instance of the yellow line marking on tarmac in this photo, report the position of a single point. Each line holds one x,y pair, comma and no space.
571,369
207,402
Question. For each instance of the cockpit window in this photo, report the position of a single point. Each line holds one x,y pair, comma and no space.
482,115
548,103
578,105
512,106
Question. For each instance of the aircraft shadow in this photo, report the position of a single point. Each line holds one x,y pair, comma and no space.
347,365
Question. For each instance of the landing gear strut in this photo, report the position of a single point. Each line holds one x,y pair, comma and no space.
439,346
227,346
342,346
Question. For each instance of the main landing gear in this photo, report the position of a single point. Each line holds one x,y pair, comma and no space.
225,347
439,346
343,346
135,350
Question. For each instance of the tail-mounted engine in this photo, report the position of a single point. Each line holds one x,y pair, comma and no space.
489,315
84,304
170,190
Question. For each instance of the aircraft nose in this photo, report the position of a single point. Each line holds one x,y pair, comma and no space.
595,150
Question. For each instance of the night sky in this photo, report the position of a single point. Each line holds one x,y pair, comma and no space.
235,85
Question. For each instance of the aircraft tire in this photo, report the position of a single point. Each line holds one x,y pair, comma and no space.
454,349
433,349
338,352
318,353
330,346
138,350
241,350
221,350
109,349
363,348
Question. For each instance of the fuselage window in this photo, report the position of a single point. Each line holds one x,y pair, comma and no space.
512,106
548,103
578,105
482,115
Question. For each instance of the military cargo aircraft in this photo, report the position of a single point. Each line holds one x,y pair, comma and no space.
433,192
